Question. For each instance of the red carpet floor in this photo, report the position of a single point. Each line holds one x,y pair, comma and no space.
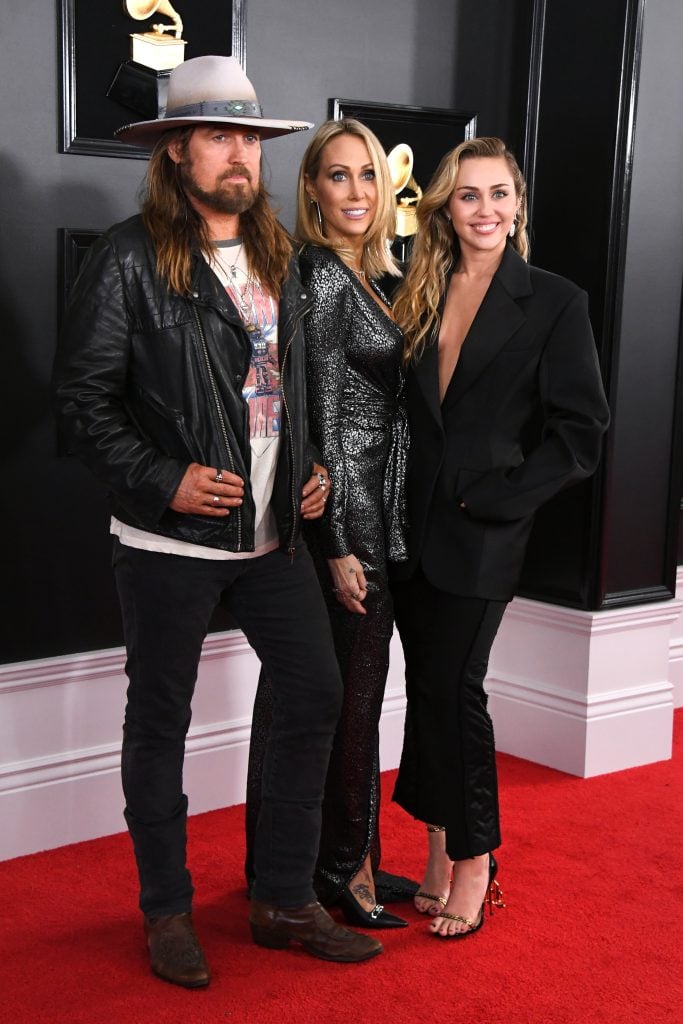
593,930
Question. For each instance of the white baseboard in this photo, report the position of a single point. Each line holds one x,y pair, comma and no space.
60,737
676,651
584,692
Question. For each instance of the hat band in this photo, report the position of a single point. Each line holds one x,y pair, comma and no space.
217,108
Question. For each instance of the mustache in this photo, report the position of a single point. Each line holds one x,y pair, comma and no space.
237,169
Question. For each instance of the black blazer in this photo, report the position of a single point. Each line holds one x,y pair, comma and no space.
522,418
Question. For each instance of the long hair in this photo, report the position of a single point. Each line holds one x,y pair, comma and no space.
376,259
177,230
436,249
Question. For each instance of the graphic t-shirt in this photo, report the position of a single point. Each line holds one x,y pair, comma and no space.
262,390
263,393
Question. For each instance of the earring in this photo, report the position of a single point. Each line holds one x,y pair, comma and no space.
513,228
318,214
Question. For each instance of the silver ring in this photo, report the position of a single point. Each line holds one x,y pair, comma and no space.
216,500
322,482
219,476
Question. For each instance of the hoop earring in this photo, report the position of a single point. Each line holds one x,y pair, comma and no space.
318,214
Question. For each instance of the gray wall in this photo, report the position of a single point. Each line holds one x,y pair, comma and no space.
56,581
414,52
301,53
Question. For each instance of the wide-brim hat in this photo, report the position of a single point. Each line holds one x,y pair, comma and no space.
209,90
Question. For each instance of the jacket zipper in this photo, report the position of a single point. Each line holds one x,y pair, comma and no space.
290,549
296,317
214,390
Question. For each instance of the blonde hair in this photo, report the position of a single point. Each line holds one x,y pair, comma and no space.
377,259
435,249
177,230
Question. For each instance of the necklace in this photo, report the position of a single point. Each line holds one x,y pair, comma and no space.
360,274
232,267
241,286
245,299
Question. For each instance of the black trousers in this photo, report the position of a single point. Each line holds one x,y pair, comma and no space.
447,774
167,602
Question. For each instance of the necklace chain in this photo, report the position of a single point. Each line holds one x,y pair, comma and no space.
244,298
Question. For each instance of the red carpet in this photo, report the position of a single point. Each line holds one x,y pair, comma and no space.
593,930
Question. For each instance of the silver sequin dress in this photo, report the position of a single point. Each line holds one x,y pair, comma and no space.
358,422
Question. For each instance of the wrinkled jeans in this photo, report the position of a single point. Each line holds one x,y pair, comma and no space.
167,602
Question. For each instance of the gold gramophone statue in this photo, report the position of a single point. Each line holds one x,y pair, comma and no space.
156,49
141,83
400,161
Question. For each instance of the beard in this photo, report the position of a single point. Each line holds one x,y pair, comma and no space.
224,198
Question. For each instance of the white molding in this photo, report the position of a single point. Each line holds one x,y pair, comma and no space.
60,736
587,707
584,692
676,648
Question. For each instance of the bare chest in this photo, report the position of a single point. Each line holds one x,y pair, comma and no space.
462,304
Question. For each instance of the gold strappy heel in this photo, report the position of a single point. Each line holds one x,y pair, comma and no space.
493,898
443,900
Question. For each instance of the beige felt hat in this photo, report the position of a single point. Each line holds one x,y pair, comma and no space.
209,90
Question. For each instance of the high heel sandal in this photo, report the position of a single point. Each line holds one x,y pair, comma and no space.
378,917
493,897
420,894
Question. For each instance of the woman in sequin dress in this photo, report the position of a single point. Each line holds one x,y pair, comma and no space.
346,218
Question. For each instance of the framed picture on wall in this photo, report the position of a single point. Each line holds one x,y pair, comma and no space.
96,43
73,248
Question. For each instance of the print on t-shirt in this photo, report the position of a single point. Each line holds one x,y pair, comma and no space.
262,389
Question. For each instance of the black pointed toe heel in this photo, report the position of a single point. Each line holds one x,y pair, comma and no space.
378,917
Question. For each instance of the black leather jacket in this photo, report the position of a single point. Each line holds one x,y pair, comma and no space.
147,381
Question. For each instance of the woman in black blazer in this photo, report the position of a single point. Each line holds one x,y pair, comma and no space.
506,408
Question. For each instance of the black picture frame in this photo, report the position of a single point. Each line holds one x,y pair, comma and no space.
73,248
95,41
429,131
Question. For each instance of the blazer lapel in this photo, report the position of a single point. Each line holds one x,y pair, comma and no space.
426,373
497,319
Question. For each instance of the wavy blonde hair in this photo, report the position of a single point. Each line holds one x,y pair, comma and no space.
177,230
436,250
377,259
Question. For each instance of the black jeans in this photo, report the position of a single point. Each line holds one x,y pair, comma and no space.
447,774
167,602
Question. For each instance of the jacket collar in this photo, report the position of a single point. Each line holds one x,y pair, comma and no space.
497,319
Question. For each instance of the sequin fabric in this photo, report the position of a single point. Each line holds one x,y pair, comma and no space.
358,422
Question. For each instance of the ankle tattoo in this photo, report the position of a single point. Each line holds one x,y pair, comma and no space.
362,893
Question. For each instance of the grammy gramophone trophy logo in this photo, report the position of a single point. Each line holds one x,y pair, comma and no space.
408,195
141,83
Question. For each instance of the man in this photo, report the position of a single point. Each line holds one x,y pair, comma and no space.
179,381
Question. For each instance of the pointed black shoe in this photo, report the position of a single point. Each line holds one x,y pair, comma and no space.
378,917
391,888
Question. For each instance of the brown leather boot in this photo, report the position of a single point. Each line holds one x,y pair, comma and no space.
312,926
174,950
